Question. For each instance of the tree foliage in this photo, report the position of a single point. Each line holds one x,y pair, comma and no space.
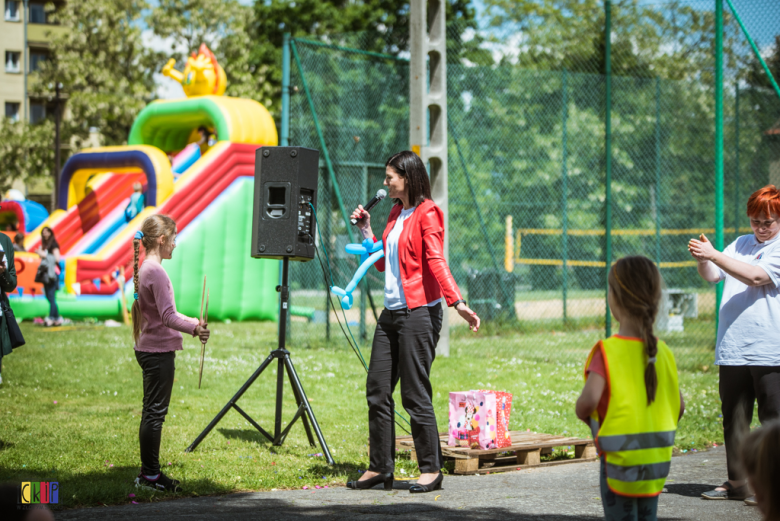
383,26
104,68
223,25
26,151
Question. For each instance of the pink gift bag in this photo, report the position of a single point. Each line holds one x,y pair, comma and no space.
503,410
472,420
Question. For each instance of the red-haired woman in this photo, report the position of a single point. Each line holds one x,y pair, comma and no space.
748,346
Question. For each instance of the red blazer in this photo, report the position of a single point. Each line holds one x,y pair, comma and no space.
421,256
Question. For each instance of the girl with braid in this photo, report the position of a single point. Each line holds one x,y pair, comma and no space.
631,400
157,329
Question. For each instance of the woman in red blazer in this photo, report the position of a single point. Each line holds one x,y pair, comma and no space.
417,279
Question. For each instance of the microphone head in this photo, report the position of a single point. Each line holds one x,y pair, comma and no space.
381,194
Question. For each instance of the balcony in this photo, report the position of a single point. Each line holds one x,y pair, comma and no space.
43,33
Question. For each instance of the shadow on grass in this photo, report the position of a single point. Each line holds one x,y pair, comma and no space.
250,435
5,445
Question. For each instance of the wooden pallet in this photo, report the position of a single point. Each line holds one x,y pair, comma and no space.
526,451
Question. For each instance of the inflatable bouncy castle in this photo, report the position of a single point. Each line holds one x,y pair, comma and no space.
208,194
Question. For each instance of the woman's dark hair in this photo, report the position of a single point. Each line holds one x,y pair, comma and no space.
50,243
636,287
408,165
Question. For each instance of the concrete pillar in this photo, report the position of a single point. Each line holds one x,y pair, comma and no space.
428,43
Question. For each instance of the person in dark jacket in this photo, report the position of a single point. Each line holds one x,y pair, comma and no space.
7,285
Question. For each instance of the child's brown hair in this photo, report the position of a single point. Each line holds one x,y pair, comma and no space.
153,227
760,452
636,286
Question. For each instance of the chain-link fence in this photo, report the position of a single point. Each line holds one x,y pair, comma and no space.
549,156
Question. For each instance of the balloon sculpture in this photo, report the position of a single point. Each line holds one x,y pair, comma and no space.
369,252
202,74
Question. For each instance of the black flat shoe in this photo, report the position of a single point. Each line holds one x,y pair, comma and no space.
430,487
387,479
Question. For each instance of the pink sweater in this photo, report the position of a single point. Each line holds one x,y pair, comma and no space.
162,323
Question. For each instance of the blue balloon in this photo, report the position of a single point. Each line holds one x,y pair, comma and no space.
369,252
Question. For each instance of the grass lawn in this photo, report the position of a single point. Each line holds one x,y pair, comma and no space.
70,407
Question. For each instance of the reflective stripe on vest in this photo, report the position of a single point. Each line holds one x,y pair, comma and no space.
644,440
636,439
639,472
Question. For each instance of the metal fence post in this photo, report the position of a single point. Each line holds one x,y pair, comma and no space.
718,143
657,172
285,135
364,289
564,190
608,153
737,203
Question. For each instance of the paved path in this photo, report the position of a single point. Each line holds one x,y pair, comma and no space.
560,493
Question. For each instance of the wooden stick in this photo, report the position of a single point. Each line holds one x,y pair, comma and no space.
202,296
203,345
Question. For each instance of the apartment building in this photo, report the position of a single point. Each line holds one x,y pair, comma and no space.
25,33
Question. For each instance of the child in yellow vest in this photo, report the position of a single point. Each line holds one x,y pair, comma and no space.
631,399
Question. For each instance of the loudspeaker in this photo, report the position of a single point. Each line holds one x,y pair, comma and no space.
283,222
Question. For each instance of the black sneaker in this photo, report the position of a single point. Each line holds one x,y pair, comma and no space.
162,483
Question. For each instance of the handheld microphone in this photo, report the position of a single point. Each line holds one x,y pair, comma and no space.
380,194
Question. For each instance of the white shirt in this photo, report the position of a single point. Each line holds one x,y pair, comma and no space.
394,290
749,325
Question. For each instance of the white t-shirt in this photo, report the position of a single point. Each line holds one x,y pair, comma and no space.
749,325
394,290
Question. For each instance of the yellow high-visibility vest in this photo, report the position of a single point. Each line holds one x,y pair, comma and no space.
636,438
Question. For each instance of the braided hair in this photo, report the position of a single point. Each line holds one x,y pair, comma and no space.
152,229
636,287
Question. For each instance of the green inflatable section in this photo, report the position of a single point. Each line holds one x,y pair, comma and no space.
216,244
168,125
69,306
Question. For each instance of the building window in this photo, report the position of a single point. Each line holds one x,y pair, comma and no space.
37,14
12,61
12,11
36,58
37,111
12,110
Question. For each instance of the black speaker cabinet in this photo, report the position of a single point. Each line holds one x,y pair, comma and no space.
283,223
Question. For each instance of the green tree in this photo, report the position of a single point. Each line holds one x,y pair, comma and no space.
26,151
223,26
383,26
103,66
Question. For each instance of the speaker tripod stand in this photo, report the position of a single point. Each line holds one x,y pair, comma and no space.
284,363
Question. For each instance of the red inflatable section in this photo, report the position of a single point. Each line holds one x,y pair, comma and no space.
80,218
183,206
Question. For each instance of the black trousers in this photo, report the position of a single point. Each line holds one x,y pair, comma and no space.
158,371
740,387
404,348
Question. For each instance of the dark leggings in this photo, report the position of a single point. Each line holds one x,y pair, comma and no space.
740,388
51,291
158,371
